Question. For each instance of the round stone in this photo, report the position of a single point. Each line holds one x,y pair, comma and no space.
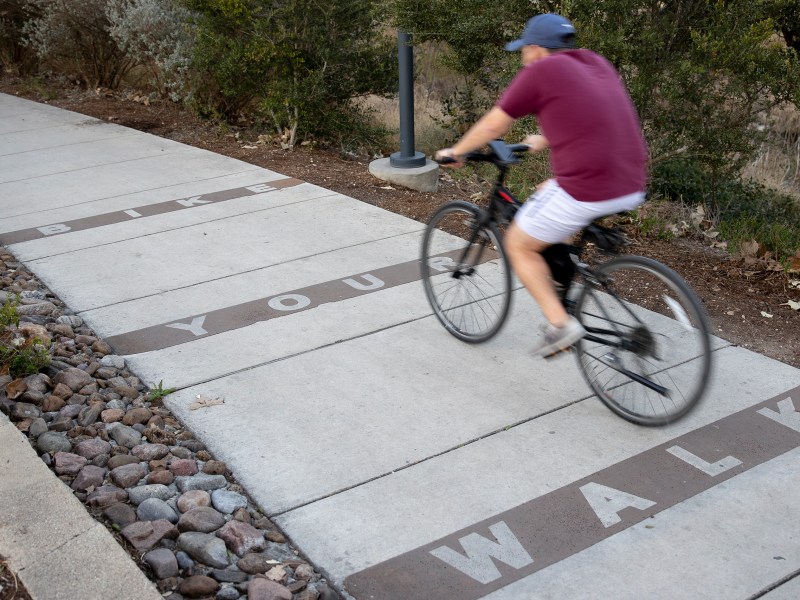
73,378
153,509
198,586
227,592
140,416
183,467
227,502
112,360
162,562
203,519
89,477
71,320
51,441
184,560
193,499
128,475
162,477
92,448
37,428
204,548
125,436
139,494
112,415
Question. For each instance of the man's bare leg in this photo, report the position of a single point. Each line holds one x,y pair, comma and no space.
533,271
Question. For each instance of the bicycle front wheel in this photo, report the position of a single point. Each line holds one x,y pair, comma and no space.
465,271
647,354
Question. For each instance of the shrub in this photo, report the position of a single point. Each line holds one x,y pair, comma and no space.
698,71
19,356
745,210
296,64
159,35
77,35
15,56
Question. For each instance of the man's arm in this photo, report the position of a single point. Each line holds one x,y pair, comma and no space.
491,126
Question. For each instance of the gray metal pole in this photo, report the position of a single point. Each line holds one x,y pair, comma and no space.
407,157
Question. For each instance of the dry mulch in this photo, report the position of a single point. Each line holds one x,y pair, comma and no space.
11,588
744,297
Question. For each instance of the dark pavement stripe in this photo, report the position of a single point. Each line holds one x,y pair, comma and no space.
120,216
218,321
507,547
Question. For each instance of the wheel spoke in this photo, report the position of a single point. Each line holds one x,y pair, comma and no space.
473,302
653,367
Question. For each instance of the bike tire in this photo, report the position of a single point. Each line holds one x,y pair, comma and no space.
661,368
465,271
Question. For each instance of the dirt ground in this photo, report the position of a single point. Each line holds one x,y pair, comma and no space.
11,588
745,297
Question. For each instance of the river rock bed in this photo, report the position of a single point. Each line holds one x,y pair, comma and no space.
178,511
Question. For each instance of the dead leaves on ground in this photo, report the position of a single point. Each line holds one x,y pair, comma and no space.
205,402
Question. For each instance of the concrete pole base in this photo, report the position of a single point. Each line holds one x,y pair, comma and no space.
422,179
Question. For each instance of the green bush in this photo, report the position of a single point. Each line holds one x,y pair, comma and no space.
745,210
297,65
699,71
157,34
71,35
19,356
15,56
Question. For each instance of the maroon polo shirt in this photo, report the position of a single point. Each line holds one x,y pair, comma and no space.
583,109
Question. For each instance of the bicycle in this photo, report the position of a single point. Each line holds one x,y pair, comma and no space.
647,352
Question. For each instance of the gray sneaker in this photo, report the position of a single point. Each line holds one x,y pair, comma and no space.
557,339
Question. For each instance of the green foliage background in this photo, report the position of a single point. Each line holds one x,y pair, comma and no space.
298,64
700,72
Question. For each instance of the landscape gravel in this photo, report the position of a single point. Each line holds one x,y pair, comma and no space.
179,512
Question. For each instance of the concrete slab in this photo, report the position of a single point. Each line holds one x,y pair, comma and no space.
149,173
214,249
34,502
85,155
56,548
785,590
471,483
67,574
725,526
172,192
20,115
60,136
368,433
148,219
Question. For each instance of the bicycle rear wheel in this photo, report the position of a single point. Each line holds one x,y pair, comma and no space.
647,354
465,271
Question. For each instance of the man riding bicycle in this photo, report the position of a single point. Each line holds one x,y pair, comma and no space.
598,155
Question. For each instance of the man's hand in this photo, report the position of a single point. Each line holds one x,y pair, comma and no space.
451,160
536,142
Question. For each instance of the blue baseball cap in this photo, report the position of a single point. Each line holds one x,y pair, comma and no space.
548,31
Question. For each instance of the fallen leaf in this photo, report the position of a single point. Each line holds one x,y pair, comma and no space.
792,304
698,215
794,283
205,402
749,248
794,265
766,314
248,147
16,388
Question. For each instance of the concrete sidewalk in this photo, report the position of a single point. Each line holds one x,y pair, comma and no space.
403,463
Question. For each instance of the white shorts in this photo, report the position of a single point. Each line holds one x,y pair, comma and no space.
551,215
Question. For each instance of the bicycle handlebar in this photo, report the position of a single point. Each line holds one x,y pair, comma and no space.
500,154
